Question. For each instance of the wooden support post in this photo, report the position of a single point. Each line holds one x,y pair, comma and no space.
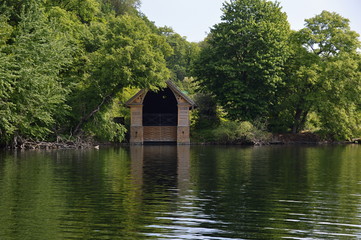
136,125
183,124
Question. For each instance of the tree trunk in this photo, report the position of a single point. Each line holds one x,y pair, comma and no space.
303,120
296,122
86,118
299,120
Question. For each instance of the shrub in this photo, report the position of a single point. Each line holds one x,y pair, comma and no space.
232,132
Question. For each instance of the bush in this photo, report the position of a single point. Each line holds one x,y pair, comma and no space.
231,132
206,115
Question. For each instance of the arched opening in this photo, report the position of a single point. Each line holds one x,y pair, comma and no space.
160,117
160,109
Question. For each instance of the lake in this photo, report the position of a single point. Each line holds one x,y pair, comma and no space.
182,192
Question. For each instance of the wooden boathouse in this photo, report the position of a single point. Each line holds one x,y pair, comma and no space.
161,116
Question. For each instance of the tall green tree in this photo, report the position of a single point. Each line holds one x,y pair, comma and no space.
184,53
243,58
132,56
31,90
65,64
323,76
6,83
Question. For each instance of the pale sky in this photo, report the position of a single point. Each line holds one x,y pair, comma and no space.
194,18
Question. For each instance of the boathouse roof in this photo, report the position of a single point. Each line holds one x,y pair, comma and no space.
139,96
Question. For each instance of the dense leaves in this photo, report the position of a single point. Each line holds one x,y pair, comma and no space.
122,6
65,64
181,60
243,58
132,56
32,92
310,79
323,77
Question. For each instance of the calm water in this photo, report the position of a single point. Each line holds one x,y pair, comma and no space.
170,192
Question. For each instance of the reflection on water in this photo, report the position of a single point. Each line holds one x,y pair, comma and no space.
182,192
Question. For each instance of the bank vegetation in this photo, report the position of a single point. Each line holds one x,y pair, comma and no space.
67,67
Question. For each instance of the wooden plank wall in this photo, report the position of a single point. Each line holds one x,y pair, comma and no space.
160,133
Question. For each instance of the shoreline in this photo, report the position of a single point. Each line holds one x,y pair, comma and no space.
305,138
97,145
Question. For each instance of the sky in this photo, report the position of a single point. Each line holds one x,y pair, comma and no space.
194,18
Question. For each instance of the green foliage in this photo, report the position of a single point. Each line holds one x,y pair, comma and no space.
301,75
5,30
66,65
232,132
245,63
338,102
34,93
132,56
104,128
329,34
340,123
63,65
121,7
184,53
322,77
188,85
206,114
242,60
6,83
85,10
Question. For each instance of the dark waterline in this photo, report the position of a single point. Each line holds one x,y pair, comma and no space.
182,192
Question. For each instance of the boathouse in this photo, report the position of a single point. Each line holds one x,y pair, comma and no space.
161,116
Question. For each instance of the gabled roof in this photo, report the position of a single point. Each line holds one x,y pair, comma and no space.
131,101
170,85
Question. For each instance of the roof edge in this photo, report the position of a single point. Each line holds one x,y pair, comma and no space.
176,89
131,100
170,84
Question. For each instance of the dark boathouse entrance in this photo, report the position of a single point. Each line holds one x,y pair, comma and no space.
161,116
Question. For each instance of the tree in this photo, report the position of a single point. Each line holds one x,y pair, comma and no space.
122,6
32,93
85,10
243,58
6,83
323,76
301,73
329,35
64,65
339,97
184,53
132,56
207,115
112,51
